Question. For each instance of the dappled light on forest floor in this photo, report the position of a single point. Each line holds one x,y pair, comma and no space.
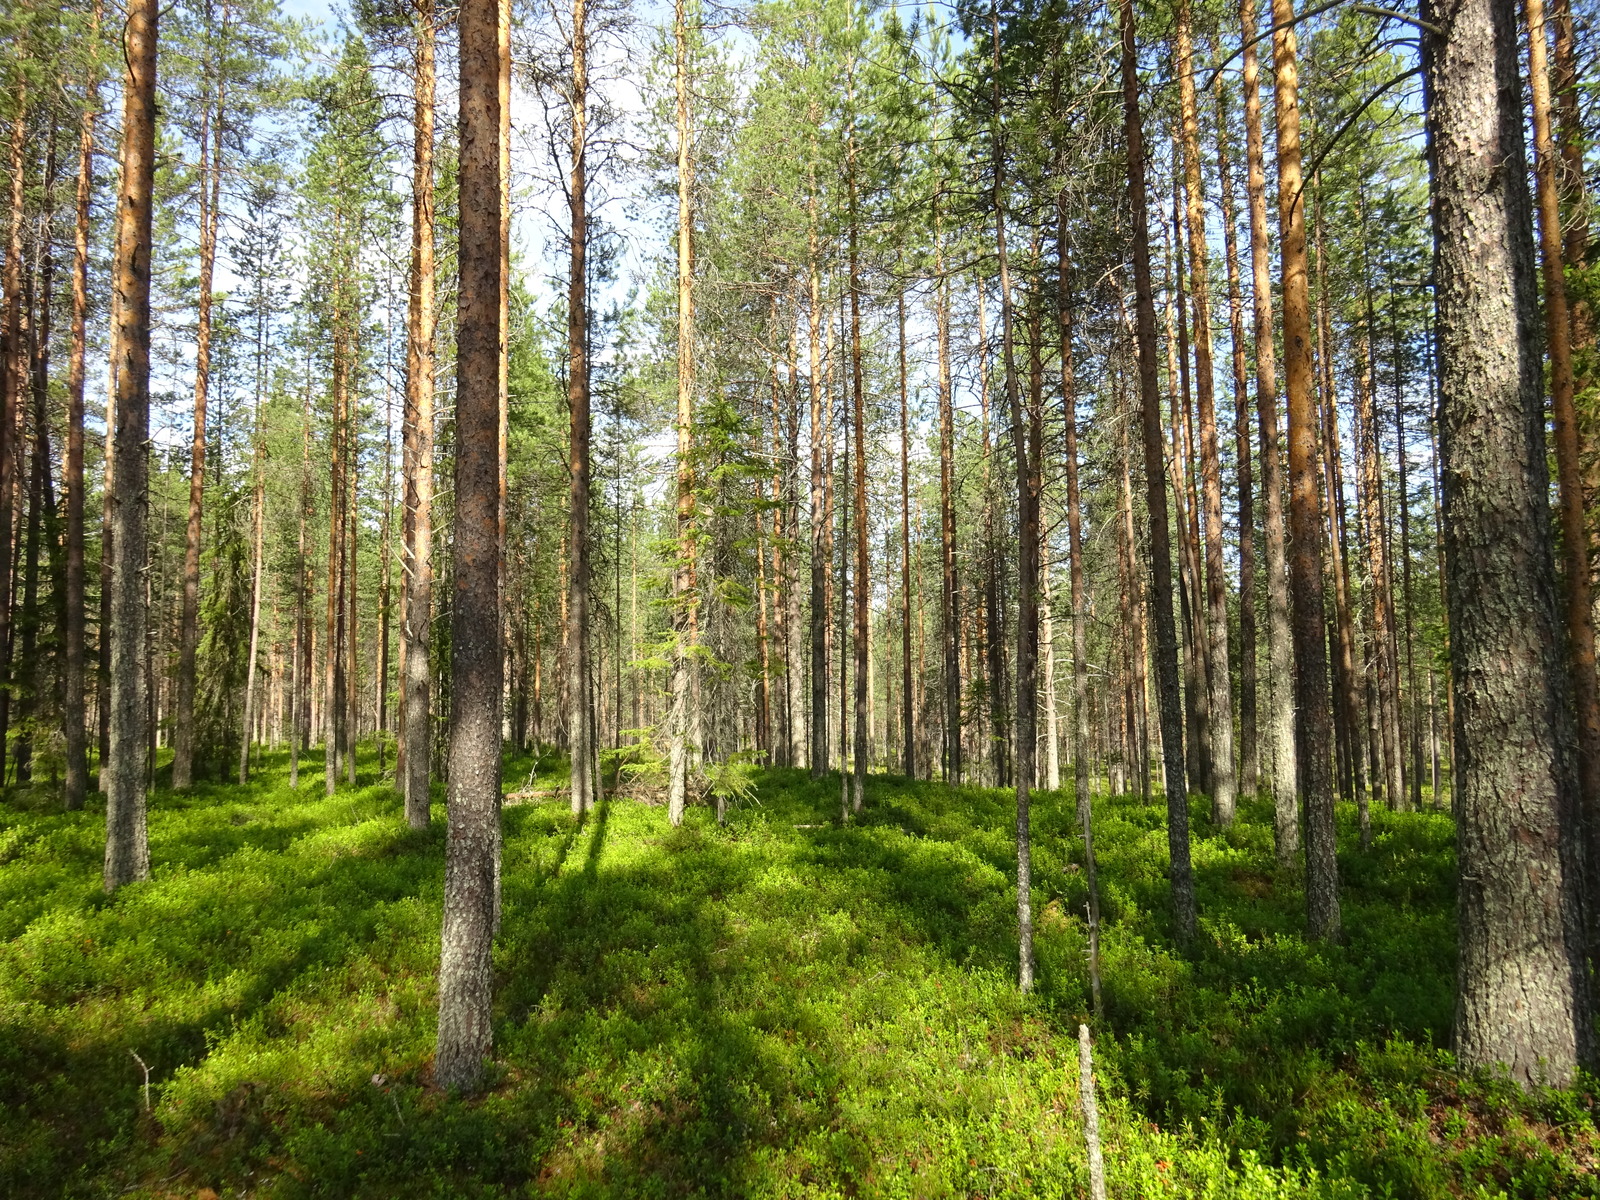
783,1007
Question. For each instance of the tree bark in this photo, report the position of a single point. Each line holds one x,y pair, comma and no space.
471,900
1180,871
1569,448
685,586
1196,695
793,645
13,378
1135,594
908,712
258,517
127,841
1375,518
1249,756
1280,664
1025,450
417,623
1522,1004
41,490
993,615
333,706
861,749
1080,613
1218,673
580,710
183,719
821,517
949,589
74,683
1305,515
300,674
1350,677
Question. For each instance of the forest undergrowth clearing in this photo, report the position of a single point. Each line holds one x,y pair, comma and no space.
783,1007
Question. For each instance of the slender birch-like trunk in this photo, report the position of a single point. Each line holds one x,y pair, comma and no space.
1080,614
580,707
1249,755
685,585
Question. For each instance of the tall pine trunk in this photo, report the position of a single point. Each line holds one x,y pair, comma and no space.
127,841
1305,510
41,491
860,745
472,870
1522,1003
1579,612
949,589
821,519
416,627
908,711
580,709
1281,756
13,379
1218,673
74,683
210,177
1179,868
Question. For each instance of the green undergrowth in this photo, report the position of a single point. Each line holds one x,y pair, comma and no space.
778,1008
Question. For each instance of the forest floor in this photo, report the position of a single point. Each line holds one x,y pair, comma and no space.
779,1008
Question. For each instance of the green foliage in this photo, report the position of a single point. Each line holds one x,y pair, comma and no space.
637,762
783,1007
224,644
733,780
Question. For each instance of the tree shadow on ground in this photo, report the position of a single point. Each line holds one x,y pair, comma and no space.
780,1006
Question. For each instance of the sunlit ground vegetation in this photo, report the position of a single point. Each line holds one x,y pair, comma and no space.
781,1007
